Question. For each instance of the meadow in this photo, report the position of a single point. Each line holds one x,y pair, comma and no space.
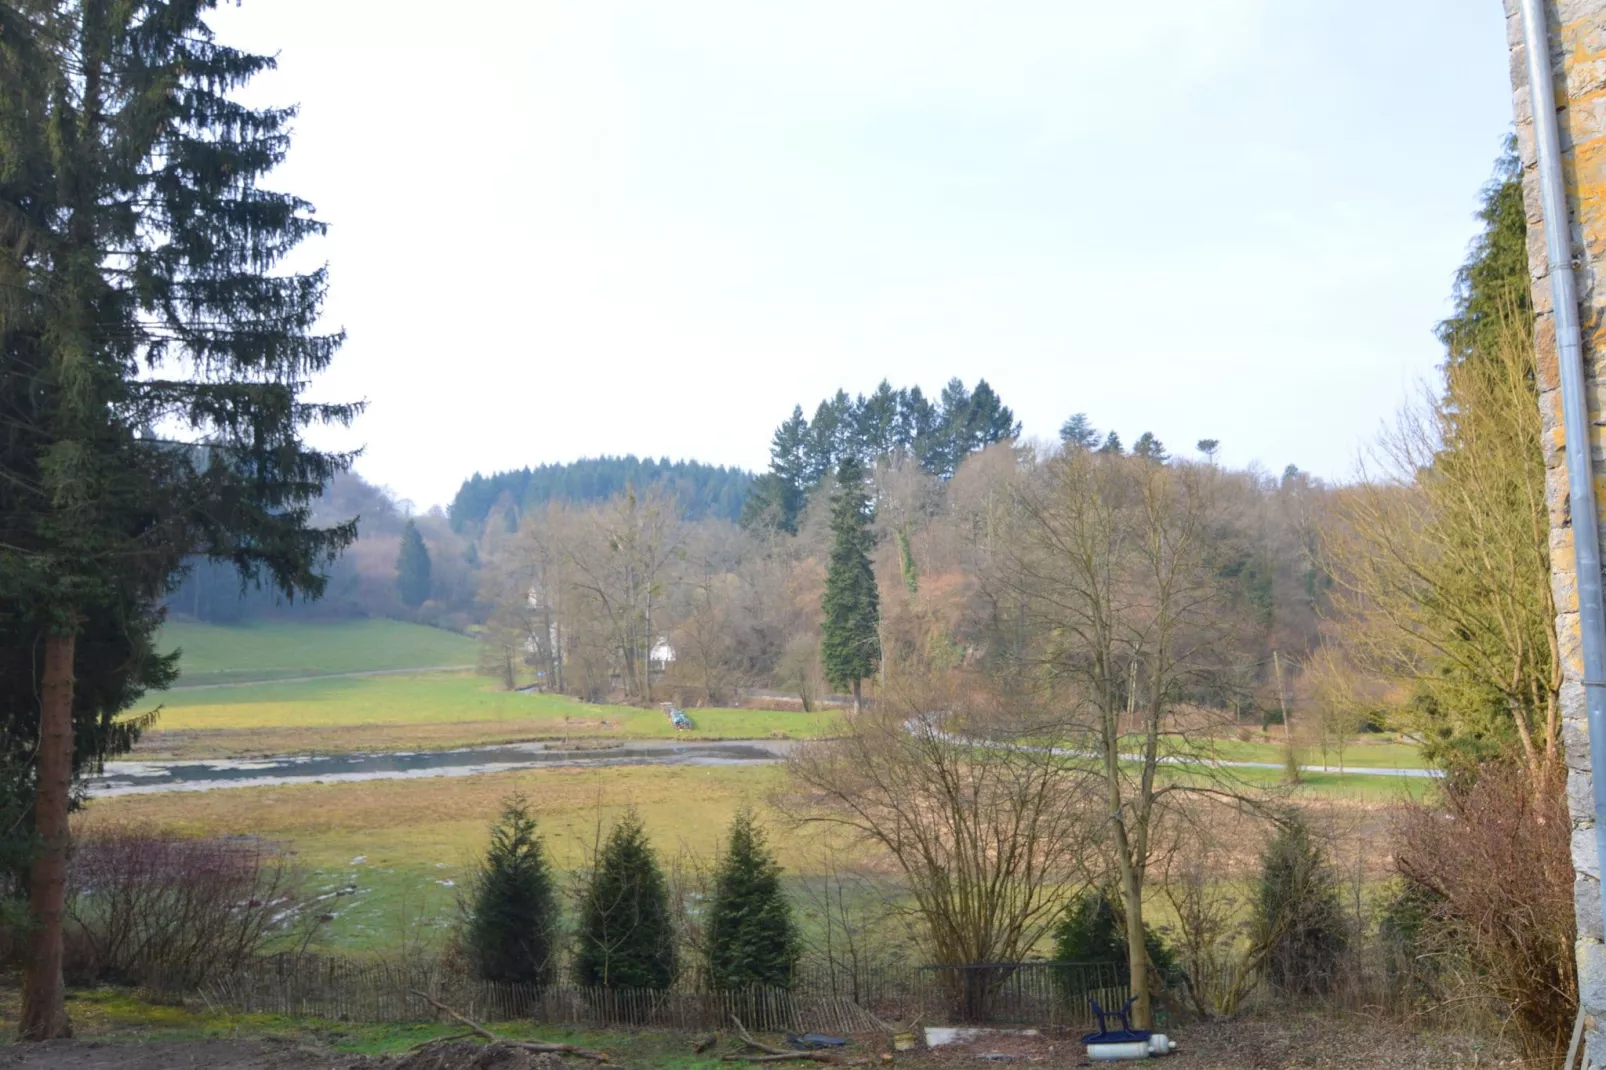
277,650
387,858
421,711
391,854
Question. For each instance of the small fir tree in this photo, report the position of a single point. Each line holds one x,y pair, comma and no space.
852,605
1112,444
512,923
412,568
626,937
752,939
1092,931
1299,916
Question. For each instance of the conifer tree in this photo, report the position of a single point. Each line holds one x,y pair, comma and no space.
512,924
850,643
1298,914
752,938
412,568
1150,448
626,937
1079,433
153,356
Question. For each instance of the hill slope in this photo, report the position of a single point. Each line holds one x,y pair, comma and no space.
279,650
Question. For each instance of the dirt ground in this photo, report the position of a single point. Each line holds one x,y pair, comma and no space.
1302,1042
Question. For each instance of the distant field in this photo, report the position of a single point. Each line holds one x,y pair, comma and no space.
277,650
423,711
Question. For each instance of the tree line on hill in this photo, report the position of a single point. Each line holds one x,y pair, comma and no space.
887,424
699,490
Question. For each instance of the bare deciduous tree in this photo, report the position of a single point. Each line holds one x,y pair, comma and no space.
990,839
1115,562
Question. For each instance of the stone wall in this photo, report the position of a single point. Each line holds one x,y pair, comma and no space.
1578,57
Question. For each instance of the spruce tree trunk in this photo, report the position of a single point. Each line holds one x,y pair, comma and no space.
44,1007
858,701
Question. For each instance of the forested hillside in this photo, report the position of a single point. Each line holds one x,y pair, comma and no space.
699,490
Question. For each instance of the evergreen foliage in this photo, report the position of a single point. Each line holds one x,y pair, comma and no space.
626,937
1092,932
1298,916
1079,433
852,604
153,358
511,929
1112,444
906,561
1493,286
888,423
752,938
699,490
1150,448
412,568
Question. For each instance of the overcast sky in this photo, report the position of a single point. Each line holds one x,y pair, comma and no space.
565,229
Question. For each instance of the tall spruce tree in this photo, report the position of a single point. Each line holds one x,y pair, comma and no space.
850,643
1492,286
512,925
626,937
412,568
153,362
752,938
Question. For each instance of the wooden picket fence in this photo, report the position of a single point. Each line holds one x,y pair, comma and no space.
342,989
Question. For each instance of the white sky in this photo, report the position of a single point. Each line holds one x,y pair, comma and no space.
565,229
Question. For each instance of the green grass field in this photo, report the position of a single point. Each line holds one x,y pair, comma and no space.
276,650
422,711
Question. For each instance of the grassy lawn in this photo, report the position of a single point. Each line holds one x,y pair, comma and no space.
423,711
387,852
275,650
119,1016
1364,752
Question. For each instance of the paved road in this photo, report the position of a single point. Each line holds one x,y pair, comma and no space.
323,676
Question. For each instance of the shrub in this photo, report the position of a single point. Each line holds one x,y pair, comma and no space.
752,939
512,914
626,935
1093,931
150,907
1493,867
1298,916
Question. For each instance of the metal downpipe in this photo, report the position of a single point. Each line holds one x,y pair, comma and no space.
1582,507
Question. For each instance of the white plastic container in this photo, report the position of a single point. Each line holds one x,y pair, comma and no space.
1158,1044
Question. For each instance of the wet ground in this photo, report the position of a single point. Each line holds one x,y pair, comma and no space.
136,778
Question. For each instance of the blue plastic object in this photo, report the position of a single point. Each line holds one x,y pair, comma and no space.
815,1041
1125,1035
